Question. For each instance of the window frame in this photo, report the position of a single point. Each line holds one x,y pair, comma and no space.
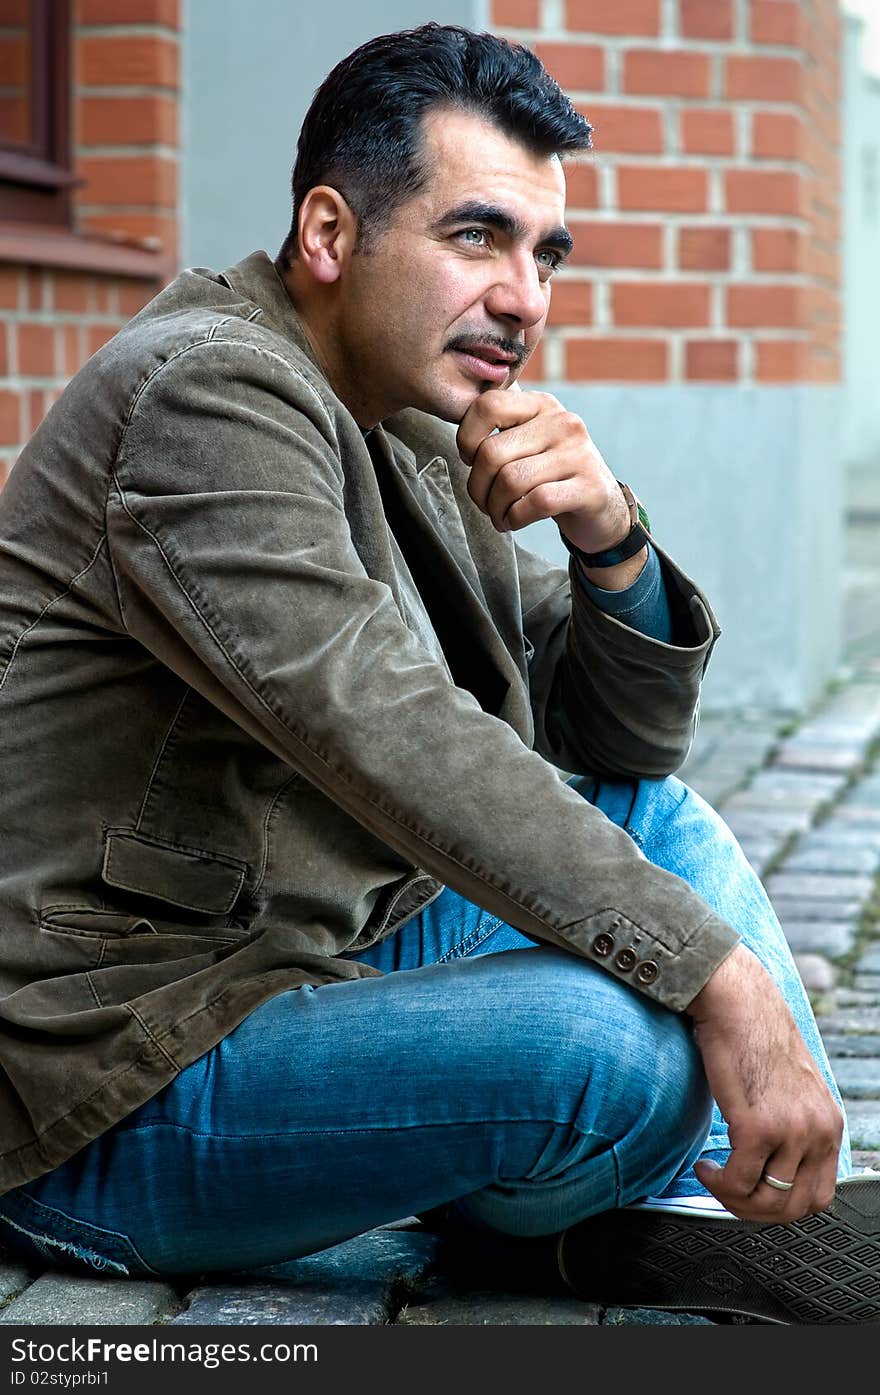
36,181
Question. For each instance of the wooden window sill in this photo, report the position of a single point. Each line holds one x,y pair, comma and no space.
34,245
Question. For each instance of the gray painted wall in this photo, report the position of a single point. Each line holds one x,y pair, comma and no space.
743,488
861,182
250,71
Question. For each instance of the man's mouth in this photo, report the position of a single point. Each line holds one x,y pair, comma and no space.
486,361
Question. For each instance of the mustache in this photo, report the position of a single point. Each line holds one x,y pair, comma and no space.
466,343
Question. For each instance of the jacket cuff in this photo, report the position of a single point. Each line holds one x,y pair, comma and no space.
671,977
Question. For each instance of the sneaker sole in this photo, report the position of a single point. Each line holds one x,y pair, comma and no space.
824,1269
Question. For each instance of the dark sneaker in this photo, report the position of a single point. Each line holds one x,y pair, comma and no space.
825,1269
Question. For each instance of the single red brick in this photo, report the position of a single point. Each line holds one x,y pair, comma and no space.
37,407
164,12
571,303
534,369
70,292
74,355
706,19
617,244
129,179
581,184
627,130
9,287
134,295
780,360
577,67
777,135
4,355
616,360
764,307
142,60
667,304
666,72
97,336
36,350
151,120
516,14
34,293
707,131
764,191
103,287
776,22
664,188
10,418
704,249
823,365
770,79
778,249
712,360
620,17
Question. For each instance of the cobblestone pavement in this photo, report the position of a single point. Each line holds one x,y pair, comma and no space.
804,800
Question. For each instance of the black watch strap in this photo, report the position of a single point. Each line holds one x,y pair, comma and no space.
637,537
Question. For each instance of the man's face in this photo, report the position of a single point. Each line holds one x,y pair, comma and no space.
453,296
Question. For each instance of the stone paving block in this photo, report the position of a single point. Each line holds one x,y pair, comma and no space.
843,1020
14,1279
816,973
864,1045
858,1077
816,886
349,1284
359,1304
799,908
857,815
869,983
71,1300
869,962
832,858
763,823
815,756
863,1117
864,1157
778,783
833,834
773,801
442,1304
653,1317
819,937
856,998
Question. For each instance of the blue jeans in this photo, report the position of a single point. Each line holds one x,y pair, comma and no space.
533,1087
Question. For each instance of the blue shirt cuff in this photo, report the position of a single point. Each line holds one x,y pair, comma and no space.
644,605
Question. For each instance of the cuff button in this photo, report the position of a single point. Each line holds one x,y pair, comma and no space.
647,971
625,960
603,945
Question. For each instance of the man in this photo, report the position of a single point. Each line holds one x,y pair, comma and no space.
303,930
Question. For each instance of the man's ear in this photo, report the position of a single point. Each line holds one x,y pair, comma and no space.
327,233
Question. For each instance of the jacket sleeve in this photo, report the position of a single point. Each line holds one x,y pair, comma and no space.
608,700
235,565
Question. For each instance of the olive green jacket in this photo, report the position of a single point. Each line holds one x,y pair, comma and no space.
231,747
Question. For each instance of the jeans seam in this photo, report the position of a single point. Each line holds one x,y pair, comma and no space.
477,936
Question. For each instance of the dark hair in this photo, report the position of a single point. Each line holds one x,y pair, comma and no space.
363,131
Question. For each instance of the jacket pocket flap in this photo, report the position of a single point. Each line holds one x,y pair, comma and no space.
186,877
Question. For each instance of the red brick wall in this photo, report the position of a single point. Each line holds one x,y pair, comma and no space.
707,220
126,67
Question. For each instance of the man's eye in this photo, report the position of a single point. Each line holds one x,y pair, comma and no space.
548,259
474,237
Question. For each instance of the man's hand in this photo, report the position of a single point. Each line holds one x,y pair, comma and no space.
781,1114
541,463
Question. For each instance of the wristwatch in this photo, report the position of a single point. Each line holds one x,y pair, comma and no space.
635,540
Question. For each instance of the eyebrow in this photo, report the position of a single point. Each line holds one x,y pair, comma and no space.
557,239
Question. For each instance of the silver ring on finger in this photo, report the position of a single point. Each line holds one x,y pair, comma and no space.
775,1183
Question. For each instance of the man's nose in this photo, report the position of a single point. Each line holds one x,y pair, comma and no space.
517,294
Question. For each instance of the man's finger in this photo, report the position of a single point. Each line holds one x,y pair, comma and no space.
497,409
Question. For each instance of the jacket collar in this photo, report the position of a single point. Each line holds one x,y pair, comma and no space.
256,279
